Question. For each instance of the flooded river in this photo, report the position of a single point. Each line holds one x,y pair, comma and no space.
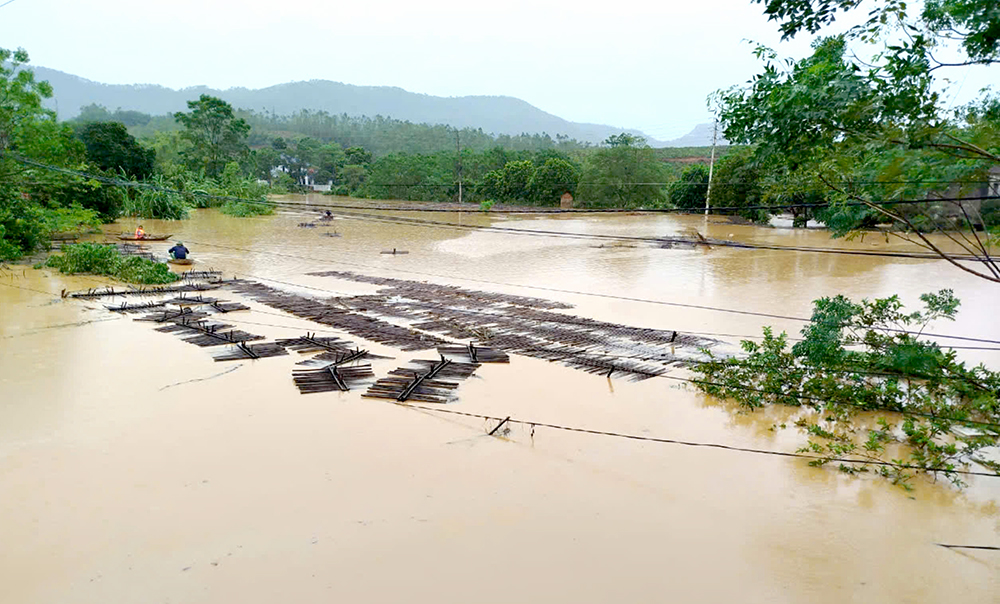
134,468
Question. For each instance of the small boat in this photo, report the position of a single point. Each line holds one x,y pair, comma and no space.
181,261
131,237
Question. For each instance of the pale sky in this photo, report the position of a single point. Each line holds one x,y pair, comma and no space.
628,63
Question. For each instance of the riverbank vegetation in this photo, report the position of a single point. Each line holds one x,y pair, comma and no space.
97,259
869,388
874,138
58,177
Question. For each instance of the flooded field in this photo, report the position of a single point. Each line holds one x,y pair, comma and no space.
134,468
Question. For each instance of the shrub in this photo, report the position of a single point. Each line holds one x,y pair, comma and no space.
246,208
105,260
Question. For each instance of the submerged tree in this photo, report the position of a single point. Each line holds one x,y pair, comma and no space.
869,357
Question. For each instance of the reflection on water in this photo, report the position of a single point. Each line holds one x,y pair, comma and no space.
121,480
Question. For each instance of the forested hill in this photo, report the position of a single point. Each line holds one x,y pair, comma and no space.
493,114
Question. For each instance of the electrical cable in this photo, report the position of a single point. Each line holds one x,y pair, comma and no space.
687,443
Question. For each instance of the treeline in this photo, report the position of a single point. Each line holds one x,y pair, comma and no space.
57,176
378,135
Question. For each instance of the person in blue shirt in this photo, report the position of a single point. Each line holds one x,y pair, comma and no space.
178,252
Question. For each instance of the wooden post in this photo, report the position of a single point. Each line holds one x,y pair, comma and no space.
711,166
493,431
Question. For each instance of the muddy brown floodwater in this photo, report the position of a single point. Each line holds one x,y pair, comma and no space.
134,468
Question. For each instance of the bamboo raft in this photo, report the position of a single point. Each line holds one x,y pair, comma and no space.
242,351
339,317
426,383
130,308
185,300
201,275
475,354
310,343
204,335
143,291
183,314
517,325
403,287
331,377
225,307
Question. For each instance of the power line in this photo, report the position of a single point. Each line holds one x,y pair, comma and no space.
687,443
6,3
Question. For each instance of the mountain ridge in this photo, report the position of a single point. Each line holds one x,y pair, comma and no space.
496,114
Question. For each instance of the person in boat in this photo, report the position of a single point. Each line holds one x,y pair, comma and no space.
178,252
139,233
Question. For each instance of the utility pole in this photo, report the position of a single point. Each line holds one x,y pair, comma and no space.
711,166
458,145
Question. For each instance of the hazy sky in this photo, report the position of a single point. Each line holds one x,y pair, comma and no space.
646,65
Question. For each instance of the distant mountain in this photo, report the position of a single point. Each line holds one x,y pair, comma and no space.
494,114
701,136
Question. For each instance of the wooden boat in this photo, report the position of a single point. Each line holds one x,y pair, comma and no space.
181,261
131,237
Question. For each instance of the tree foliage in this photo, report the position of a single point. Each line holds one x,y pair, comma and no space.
869,357
625,172
111,148
215,134
876,130
689,191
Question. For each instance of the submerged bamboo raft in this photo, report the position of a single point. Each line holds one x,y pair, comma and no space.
428,382
186,300
310,343
226,307
243,351
527,326
331,377
208,275
111,292
205,335
475,354
338,316
500,323
131,308
183,314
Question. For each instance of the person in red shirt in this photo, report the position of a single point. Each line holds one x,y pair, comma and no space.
139,233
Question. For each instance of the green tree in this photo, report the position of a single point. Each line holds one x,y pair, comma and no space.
857,359
357,156
877,130
624,173
215,134
689,191
266,160
511,184
552,179
111,148
32,197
